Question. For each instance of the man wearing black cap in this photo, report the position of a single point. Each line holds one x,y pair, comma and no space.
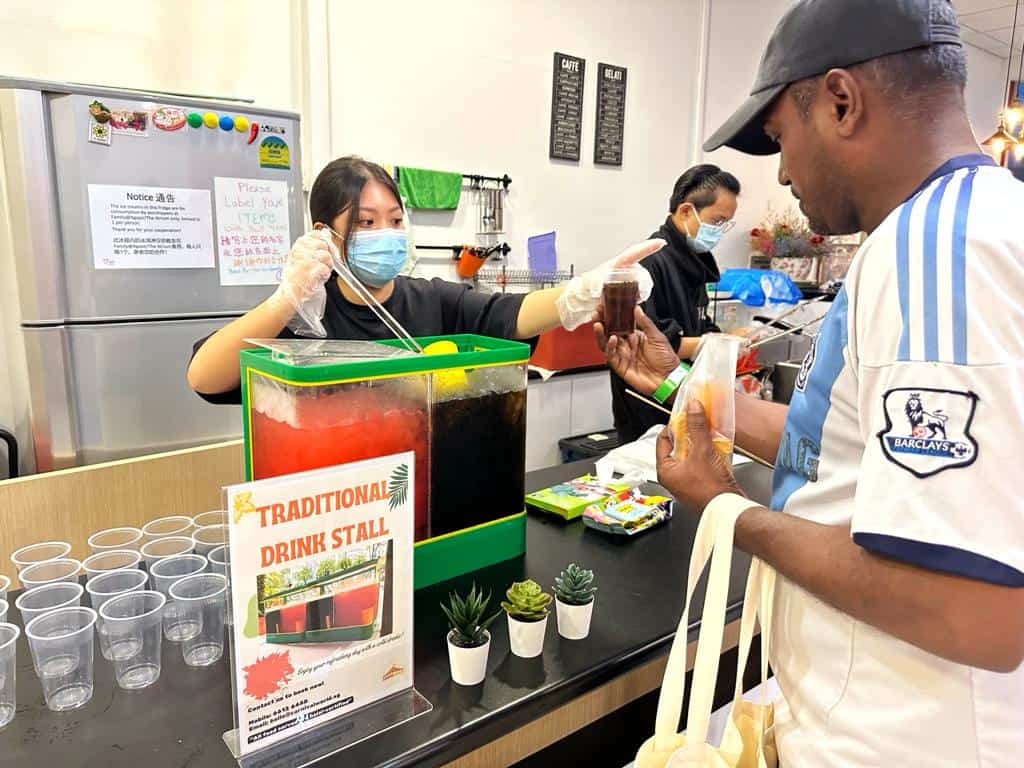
895,524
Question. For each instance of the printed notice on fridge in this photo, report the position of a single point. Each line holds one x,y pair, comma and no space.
150,227
253,234
321,590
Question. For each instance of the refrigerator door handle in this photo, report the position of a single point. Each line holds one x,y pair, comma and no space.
54,414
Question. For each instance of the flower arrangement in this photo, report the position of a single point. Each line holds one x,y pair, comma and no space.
786,235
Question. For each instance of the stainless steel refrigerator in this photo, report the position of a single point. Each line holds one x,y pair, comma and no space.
141,222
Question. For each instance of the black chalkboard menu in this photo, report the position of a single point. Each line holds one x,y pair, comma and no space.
611,114
566,107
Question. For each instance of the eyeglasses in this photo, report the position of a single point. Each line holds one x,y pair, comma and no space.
725,226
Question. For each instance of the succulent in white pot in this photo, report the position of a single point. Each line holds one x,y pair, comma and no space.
527,609
574,592
469,640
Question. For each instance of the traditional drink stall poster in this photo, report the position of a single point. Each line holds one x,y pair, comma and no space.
321,591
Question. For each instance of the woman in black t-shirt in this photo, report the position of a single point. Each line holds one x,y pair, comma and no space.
359,204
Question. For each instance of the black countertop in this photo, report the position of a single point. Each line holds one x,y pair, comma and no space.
179,721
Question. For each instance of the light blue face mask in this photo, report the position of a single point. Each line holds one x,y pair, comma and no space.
376,256
707,237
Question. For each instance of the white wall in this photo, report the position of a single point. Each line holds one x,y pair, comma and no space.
466,86
739,31
986,88
232,48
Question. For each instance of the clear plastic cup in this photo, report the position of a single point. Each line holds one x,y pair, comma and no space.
620,296
111,560
47,598
133,622
202,601
209,538
220,561
39,553
61,643
162,527
107,586
213,517
9,634
116,538
158,549
3,611
164,575
50,571
5,584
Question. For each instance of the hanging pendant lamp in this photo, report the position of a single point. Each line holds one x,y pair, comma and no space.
1002,140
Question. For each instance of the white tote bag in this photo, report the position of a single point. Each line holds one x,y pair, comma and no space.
748,741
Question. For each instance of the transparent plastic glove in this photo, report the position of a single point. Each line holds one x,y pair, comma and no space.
302,285
582,294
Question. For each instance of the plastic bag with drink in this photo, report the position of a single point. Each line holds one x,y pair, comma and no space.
712,381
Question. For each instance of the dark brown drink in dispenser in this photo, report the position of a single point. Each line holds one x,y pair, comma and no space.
620,296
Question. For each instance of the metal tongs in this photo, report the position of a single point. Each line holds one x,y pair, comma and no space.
368,298
793,329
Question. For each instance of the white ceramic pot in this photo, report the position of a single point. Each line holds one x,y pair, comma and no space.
574,620
469,665
526,637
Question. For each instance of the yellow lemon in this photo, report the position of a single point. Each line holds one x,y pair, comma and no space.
446,382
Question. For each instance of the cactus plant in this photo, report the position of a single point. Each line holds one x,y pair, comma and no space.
526,601
575,585
466,618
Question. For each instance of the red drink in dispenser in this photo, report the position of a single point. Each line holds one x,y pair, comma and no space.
295,429
356,607
293,618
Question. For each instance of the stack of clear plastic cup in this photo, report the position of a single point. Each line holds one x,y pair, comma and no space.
50,571
61,643
133,622
162,527
116,538
39,553
213,517
5,584
219,563
209,538
201,598
164,574
9,634
158,549
111,560
107,586
3,611
47,598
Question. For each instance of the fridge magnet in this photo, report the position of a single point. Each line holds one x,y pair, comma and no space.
99,133
169,118
129,122
254,131
99,112
195,120
274,153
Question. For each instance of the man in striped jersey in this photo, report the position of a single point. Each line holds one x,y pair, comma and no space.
896,522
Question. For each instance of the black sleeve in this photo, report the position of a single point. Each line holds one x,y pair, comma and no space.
667,325
465,310
231,396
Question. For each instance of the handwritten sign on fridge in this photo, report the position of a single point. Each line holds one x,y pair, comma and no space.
150,227
253,234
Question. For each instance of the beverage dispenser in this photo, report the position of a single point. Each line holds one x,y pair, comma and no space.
460,410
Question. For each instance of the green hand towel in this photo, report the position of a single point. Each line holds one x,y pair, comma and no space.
439,190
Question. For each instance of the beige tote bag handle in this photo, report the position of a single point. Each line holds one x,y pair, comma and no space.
714,532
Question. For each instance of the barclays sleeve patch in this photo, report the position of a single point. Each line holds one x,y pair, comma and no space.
928,431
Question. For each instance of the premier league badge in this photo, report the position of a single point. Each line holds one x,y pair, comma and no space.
928,430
